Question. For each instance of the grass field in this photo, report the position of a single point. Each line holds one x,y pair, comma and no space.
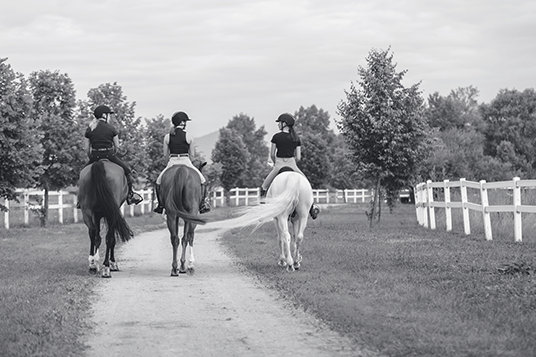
400,289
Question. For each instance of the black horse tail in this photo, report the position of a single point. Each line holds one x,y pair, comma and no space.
179,193
106,203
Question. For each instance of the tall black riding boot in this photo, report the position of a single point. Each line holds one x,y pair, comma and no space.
158,209
204,207
132,197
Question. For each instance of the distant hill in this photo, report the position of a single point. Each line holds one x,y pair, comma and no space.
205,144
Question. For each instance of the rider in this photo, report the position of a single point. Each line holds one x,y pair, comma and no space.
284,152
179,147
102,142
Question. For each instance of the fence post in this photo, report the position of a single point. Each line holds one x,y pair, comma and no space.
485,213
6,214
430,199
60,206
518,233
465,210
26,207
448,209
425,205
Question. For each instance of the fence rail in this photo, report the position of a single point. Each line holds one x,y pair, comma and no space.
425,203
63,203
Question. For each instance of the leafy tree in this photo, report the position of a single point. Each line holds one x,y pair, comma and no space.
511,128
312,124
53,107
383,124
131,139
233,155
253,139
343,171
458,110
20,147
155,131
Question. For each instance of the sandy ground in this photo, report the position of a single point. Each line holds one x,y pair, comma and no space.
219,311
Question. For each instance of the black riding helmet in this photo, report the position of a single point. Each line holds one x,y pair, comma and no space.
286,118
179,117
100,110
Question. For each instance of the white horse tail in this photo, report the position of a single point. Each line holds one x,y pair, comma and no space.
284,202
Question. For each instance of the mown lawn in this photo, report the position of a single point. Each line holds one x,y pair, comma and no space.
402,289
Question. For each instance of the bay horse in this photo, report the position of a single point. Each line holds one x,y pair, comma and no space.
102,189
180,190
288,199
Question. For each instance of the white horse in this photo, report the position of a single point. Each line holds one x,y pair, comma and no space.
288,199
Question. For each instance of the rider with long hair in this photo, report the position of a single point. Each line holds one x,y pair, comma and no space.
102,142
285,151
179,147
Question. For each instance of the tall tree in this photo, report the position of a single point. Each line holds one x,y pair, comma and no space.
459,109
313,126
20,147
231,152
253,139
155,131
383,124
511,128
130,128
53,106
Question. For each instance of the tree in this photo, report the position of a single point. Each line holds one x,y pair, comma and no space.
459,109
511,128
383,124
20,147
131,139
53,107
253,140
231,152
317,138
155,131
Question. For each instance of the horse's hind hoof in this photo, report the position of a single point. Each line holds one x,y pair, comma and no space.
114,266
106,273
174,272
290,267
190,271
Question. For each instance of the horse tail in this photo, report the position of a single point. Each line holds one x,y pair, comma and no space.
176,196
284,202
106,204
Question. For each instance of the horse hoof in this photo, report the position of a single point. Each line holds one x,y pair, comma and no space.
190,271
93,270
282,263
174,272
106,272
297,265
290,268
114,266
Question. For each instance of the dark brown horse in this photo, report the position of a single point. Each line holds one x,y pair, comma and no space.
102,189
181,196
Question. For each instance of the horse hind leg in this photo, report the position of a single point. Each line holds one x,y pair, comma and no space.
172,223
110,245
299,229
285,259
188,249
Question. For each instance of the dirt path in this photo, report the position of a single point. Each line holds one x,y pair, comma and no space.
219,311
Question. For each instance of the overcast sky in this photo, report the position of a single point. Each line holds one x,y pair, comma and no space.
216,59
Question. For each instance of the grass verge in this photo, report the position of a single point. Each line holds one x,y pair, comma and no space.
402,289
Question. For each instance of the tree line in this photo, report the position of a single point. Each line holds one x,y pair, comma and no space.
389,137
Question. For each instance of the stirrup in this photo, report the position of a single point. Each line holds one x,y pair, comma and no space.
134,198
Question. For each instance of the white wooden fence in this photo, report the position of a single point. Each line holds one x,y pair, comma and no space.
64,203
425,205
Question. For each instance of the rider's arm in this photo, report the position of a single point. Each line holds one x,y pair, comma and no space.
116,143
297,153
272,152
190,141
87,147
166,146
